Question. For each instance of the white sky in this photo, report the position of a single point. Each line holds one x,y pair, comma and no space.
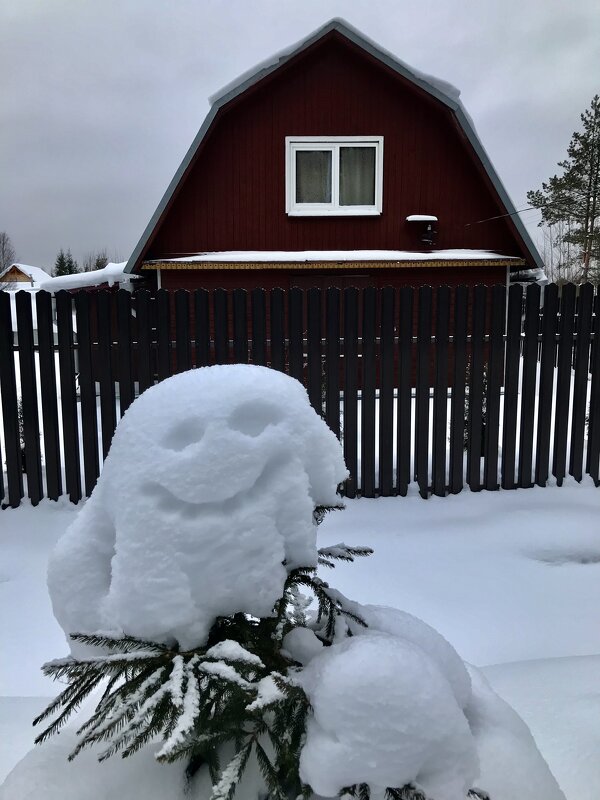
100,100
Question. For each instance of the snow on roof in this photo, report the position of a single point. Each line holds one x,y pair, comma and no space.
37,274
271,63
336,255
111,274
421,218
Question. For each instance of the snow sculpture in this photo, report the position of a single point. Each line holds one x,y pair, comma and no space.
209,487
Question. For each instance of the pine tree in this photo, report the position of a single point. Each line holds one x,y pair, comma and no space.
234,694
64,264
71,265
570,202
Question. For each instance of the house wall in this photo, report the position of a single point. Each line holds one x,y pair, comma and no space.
233,197
362,277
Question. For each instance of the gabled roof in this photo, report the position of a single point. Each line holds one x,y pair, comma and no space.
37,274
439,89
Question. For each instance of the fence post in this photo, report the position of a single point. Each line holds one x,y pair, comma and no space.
87,393
183,348
259,327
313,350
240,326
530,356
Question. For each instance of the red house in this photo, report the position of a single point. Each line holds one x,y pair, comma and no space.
334,164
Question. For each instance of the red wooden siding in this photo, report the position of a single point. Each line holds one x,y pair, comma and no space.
233,197
286,279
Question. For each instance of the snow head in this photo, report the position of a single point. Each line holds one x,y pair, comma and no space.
205,499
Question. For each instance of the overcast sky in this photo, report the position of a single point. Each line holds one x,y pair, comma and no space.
100,99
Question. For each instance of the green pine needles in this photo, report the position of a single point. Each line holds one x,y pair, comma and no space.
234,698
234,694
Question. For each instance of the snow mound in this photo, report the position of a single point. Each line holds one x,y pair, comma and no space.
209,487
395,704
511,764
405,626
384,714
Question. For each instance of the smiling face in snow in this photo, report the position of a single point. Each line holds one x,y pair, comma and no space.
205,500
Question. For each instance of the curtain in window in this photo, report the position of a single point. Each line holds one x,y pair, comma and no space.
357,176
313,176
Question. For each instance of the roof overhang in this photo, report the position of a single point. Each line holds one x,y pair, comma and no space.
440,90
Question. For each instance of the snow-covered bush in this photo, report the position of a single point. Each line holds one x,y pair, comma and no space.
198,624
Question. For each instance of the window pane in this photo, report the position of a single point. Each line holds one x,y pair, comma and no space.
313,176
357,176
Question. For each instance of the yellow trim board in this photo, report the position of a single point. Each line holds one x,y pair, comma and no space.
324,265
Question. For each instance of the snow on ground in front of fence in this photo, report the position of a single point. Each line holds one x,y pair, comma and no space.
504,576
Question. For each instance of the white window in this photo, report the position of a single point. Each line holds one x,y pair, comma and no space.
334,175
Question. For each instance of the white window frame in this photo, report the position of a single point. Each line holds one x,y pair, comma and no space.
293,144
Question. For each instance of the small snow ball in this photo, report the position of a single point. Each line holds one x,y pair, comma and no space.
383,713
204,501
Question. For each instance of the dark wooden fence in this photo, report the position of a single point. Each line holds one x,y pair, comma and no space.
390,370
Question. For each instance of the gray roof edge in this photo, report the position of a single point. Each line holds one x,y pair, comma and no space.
449,97
138,249
475,141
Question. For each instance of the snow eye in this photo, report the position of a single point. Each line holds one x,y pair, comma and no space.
253,417
185,433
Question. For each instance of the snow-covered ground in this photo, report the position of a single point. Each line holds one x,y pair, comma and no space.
511,579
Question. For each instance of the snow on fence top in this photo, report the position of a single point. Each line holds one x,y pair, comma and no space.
209,486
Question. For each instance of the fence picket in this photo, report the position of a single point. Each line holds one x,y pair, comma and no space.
296,333
183,346
277,330
582,363
494,385
240,326
48,393
563,382
475,429
528,380
163,334
367,404
440,391
422,390
350,388
126,393
66,360
386,393
511,386
593,451
202,328
404,410
144,350
259,327
313,350
87,393
29,405
221,317
457,403
332,361
548,358
10,414
108,412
